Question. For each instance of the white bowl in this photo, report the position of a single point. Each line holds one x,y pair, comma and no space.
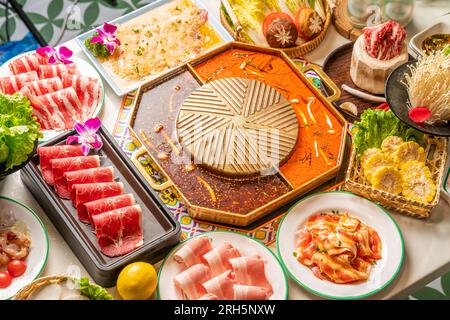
416,42
38,254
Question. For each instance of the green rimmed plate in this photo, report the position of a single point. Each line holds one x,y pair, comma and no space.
382,274
247,247
38,254
86,69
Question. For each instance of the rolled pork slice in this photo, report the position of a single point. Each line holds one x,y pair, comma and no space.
218,259
208,296
251,271
27,63
63,165
119,231
189,282
46,154
191,252
56,70
221,286
88,89
13,84
243,292
61,108
40,87
95,191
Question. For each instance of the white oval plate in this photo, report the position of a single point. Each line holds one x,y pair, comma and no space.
38,254
85,69
369,213
247,247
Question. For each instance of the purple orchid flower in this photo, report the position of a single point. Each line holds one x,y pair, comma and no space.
106,36
63,54
87,135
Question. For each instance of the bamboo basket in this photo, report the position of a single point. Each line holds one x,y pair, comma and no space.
355,182
293,52
26,292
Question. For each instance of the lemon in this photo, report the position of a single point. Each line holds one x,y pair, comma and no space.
137,281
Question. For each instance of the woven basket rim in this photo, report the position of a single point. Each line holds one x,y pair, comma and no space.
295,51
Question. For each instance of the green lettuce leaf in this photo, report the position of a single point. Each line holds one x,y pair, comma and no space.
19,130
92,291
376,125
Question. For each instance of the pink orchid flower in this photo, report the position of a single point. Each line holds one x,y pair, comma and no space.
62,55
87,135
106,36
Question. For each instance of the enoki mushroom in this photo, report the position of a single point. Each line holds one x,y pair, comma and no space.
429,86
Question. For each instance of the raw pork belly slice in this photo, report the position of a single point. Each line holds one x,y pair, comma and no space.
218,258
46,154
12,84
43,117
119,231
63,165
191,253
189,282
242,292
44,86
221,286
27,63
90,192
60,108
56,70
96,207
88,89
102,174
251,271
208,296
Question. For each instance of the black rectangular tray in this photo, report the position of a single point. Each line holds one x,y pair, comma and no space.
161,231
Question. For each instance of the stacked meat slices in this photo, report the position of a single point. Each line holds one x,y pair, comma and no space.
59,95
98,199
220,273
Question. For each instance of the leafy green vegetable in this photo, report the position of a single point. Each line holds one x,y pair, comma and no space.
93,291
99,50
19,130
4,151
250,13
376,125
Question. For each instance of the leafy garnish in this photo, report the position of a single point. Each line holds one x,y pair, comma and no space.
376,125
19,130
98,49
93,291
447,50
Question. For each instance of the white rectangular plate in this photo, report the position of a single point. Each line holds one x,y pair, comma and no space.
120,91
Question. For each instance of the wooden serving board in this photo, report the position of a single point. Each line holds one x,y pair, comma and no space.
337,66
342,22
